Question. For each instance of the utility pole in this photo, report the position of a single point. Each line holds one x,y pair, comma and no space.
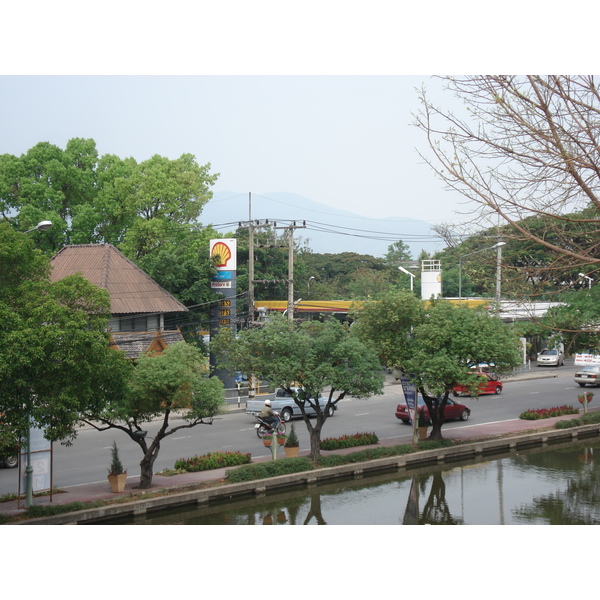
291,227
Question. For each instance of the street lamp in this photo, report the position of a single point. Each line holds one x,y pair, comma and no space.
499,246
41,226
412,276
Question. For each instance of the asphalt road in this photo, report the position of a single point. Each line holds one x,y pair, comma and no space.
87,460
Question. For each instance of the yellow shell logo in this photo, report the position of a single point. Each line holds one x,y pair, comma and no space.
220,254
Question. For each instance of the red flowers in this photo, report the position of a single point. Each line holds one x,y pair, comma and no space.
546,413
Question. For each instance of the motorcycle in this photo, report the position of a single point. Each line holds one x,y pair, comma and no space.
263,428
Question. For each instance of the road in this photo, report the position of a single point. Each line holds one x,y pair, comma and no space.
87,460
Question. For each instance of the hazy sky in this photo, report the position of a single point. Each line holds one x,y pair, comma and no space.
344,141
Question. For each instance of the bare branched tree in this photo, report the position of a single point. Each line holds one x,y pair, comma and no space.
526,152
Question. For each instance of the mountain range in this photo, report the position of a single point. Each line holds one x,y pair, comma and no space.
327,230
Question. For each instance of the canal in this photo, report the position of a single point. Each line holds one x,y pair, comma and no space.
557,486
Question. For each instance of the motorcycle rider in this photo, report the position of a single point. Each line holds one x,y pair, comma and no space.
268,415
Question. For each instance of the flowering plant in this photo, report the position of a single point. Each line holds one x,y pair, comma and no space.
546,413
212,460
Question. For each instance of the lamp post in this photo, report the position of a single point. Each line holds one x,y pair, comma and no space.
41,226
499,246
412,276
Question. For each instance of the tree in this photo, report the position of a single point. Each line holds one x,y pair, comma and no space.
319,357
576,321
525,147
398,254
92,199
55,361
435,344
158,385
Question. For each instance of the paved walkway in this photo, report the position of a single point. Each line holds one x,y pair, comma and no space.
99,491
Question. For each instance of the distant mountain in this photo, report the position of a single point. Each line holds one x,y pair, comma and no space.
328,230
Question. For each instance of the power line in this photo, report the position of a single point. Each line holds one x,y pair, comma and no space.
348,231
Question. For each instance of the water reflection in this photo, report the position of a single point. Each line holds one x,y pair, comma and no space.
556,486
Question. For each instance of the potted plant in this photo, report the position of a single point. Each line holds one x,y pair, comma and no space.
117,475
267,440
423,423
281,439
292,445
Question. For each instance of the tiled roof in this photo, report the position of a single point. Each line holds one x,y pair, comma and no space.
135,344
131,290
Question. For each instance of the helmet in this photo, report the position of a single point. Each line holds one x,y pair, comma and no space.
267,403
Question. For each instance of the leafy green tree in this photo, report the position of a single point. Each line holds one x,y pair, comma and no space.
158,385
436,344
576,321
317,356
56,362
92,199
398,254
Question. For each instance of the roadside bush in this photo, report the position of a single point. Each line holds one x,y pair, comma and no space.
269,469
587,419
212,460
349,441
546,413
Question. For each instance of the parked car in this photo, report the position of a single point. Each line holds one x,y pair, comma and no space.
489,385
551,357
452,410
588,376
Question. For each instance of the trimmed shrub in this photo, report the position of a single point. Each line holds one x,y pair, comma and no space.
586,419
349,441
212,460
269,469
546,413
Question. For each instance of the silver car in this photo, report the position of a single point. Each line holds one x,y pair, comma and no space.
588,376
550,358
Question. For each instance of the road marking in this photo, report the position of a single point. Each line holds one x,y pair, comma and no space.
361,414
532,393
183,437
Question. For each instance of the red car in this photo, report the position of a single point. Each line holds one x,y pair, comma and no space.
452,410
490,385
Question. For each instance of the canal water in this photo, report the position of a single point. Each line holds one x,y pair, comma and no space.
556,486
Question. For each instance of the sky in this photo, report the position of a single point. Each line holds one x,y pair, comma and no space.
343,141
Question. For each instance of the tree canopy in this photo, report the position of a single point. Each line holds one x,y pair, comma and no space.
55,361
158,385
316,356
436,344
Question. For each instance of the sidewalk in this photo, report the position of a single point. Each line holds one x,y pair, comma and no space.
101,491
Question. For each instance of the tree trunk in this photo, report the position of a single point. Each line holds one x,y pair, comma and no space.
315,442
436,430
147,468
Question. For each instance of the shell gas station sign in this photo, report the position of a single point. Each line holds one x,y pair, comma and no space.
224,256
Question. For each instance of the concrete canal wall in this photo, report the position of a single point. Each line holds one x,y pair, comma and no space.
460,452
